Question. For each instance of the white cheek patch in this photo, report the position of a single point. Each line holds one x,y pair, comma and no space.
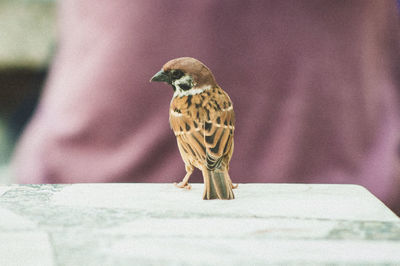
187,81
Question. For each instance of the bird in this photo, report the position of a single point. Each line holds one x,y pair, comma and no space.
202,118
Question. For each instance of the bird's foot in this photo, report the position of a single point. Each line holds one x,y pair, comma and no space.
183,185
234,186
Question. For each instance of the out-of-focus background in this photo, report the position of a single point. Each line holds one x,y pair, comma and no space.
27,42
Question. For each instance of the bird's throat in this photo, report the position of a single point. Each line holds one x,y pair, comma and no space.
178,92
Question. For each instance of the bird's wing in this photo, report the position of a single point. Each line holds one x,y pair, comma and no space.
218,135
190,136
208,139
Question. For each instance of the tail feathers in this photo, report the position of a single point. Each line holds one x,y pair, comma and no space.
217,184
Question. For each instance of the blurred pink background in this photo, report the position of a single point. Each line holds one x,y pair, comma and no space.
315,87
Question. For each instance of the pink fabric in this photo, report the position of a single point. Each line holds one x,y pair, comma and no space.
314,84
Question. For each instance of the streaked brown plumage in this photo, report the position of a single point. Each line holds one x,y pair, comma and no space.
202,118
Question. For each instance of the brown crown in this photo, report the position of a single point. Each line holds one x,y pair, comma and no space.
202,75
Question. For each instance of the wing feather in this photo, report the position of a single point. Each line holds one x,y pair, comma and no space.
209,140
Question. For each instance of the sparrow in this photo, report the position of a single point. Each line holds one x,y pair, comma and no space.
202,118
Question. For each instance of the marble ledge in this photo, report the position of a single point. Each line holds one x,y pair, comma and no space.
158,224
348,202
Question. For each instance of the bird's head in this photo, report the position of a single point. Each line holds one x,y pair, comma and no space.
186,75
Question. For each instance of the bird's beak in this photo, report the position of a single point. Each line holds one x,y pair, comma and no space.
161,76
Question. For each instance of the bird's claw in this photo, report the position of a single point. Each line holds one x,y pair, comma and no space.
183,185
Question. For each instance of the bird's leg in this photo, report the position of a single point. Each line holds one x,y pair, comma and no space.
185,181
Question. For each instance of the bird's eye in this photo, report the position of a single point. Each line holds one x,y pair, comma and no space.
177,74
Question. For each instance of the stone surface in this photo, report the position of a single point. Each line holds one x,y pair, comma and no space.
25,248
301,201
158,224
11,221
4,189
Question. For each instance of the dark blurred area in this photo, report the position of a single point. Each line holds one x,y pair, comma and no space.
28,29
19,97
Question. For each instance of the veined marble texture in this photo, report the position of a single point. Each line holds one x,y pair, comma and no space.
158,224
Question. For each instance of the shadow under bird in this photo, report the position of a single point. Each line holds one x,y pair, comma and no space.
202,118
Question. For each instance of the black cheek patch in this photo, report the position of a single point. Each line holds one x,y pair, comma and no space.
184,87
